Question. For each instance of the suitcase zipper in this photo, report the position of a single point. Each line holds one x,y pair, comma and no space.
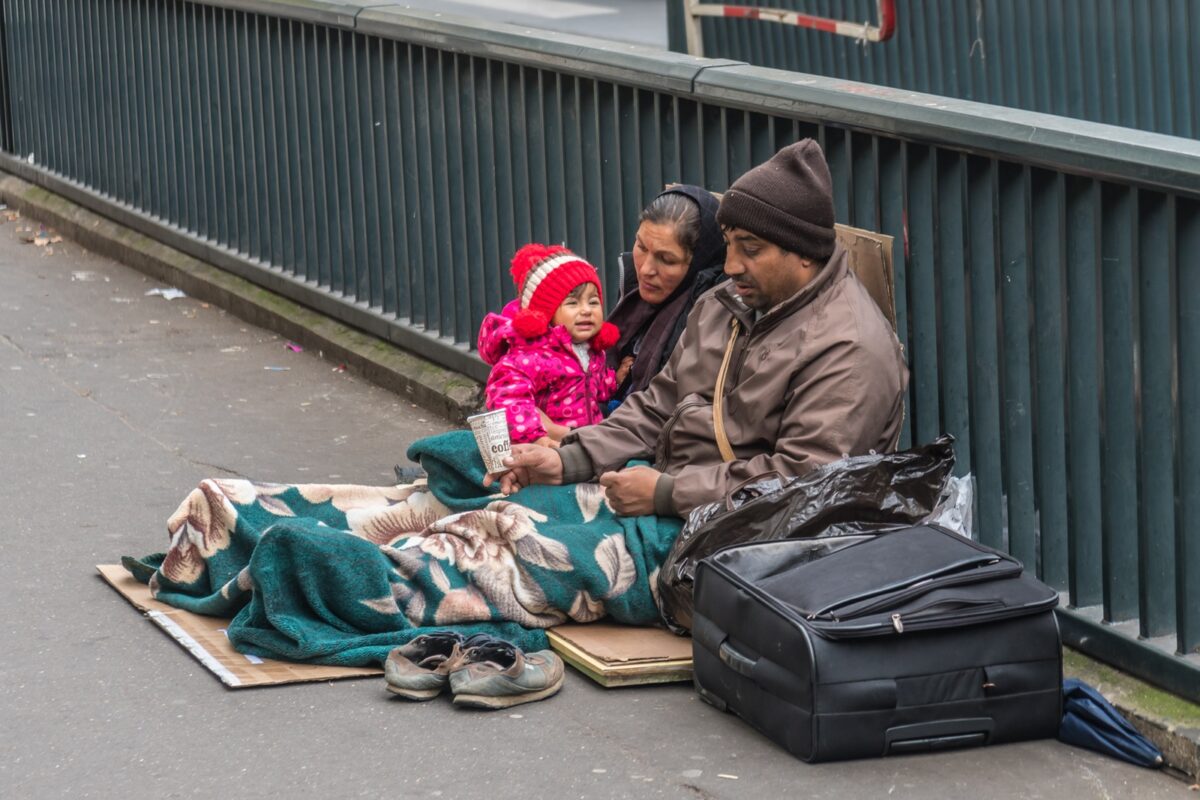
899,625
959,604
899,592
791,612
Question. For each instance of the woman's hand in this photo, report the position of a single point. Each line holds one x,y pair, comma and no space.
623,369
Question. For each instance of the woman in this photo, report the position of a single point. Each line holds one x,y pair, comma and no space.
678,254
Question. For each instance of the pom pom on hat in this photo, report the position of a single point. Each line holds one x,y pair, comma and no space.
544,276
607,337
530,323
525,259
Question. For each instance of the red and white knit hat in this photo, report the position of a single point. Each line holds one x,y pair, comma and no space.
545,275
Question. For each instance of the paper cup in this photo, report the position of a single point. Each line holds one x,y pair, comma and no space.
491,436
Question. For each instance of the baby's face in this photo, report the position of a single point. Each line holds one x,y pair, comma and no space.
581,313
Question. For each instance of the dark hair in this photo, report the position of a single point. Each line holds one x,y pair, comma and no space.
680,212
577,292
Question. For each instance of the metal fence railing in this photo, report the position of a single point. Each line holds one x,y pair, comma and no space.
1122,62
382,165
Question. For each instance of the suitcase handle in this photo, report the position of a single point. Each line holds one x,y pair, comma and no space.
941,735
739,663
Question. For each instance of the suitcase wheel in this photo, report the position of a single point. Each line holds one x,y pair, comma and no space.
710,698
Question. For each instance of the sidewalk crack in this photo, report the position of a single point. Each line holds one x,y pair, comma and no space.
13,344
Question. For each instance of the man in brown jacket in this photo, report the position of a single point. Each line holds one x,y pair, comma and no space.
811,370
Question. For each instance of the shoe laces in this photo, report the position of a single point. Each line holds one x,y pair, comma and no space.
490,651
443,644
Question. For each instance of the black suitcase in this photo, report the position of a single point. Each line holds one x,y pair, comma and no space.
903,642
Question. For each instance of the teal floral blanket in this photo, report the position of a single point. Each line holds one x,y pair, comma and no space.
341,574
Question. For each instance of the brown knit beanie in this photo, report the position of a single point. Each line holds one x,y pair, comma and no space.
787,200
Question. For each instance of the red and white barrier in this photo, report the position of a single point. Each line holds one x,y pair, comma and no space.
859,30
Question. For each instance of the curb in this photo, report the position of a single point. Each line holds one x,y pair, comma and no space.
434,387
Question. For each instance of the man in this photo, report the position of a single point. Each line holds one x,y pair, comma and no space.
810,367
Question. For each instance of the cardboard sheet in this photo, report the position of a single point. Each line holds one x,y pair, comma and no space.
204,637
624,655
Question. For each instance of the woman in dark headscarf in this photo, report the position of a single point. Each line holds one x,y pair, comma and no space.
678,254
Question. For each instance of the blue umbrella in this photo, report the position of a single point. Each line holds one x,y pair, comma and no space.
1090,721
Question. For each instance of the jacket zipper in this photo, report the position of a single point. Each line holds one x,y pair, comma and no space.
587,383
665,437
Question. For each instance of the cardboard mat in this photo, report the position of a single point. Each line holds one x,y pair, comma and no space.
623,655
612,655
205,638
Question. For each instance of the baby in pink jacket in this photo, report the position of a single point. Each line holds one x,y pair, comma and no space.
547,347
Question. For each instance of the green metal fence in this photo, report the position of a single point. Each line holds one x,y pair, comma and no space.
381,165
1123,62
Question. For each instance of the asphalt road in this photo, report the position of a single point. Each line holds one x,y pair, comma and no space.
635,21
113,405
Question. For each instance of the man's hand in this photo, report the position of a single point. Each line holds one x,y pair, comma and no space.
528,464
631,491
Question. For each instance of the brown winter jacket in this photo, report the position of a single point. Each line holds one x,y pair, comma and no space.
818,377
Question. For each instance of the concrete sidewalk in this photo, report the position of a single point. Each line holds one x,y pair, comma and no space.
114,404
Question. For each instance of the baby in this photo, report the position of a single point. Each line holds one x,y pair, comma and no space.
547,347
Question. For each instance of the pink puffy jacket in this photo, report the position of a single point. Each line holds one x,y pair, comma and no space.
528,374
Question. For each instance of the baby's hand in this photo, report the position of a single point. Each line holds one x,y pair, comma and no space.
547,441
623,369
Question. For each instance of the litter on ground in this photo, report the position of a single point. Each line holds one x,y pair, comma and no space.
167,294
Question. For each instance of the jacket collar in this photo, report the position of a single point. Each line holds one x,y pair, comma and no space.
833,271
557,337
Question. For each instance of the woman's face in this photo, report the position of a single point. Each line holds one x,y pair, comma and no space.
659,261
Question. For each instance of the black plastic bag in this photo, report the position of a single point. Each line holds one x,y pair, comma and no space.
857,495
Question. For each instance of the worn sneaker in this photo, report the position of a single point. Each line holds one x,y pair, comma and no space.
496,674
418,670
